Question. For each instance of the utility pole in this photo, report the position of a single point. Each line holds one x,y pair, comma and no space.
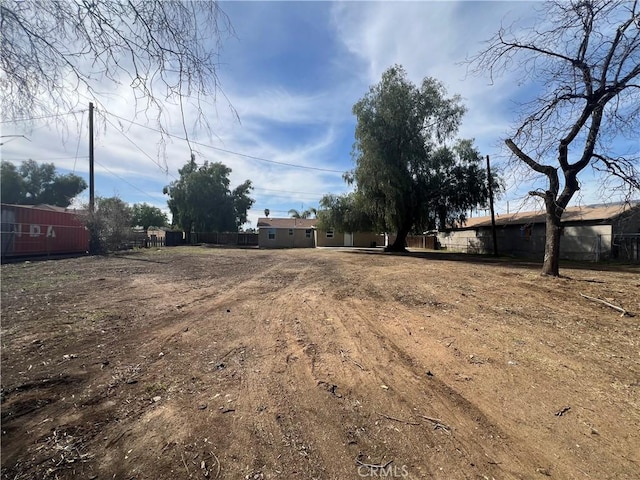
91,181
493,217
93,242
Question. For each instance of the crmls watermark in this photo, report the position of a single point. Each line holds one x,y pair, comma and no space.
386,471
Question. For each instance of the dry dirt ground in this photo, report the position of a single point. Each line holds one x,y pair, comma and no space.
197,362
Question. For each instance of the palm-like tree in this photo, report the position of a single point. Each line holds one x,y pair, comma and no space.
305,214
266,212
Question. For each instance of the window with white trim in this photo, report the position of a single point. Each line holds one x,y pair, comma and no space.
272,234
329,233
307,233
291,231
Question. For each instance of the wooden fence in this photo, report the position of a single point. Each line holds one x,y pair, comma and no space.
422,241
226,238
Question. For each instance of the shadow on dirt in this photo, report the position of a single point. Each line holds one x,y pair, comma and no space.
505,261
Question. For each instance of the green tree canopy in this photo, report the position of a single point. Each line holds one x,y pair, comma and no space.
345,213
12,187
201,201
406,175
33,184
145,216
457,183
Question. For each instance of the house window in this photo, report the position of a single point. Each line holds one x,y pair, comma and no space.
272,234
329,233
307,234
291,231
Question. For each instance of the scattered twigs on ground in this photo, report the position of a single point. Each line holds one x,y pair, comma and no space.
437,424
372,465
610,305
397,419
345,355
562,411
218,463
184,463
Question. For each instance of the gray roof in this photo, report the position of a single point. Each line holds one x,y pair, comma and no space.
571,214
304,223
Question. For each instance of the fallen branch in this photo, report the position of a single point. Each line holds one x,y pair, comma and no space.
356,364
610,305
372,465
344,355
184,463
218,462
397,419
437,424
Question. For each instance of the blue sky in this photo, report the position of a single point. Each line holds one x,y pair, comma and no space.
292,73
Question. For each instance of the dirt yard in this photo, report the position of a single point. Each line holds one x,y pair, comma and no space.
317,364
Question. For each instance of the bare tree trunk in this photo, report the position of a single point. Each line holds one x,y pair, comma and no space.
551,265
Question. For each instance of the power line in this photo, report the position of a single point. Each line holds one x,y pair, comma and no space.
42,117
289,191
305,197
139,148
293,165
126,181
270,210
44,159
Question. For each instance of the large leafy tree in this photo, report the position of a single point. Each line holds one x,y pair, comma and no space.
582,57
33,184
201,200
402,159
56,55
145,216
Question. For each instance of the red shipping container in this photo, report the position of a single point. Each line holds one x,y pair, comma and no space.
41,230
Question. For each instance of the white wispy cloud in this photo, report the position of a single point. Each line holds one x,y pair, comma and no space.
276,116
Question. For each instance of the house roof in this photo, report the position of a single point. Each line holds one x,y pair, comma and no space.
41,206
304,223
571,214
44,206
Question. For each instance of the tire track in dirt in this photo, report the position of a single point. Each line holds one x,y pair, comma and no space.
294,364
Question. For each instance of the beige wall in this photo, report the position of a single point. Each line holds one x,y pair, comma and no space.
284,239
629,223
365,239
360,239
323,241
456,240
581,242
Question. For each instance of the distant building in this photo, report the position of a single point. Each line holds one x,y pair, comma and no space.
303,233
588,233
286,232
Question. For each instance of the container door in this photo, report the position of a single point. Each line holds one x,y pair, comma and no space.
8,231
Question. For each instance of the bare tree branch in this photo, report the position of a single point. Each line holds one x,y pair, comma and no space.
56,55
583,59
